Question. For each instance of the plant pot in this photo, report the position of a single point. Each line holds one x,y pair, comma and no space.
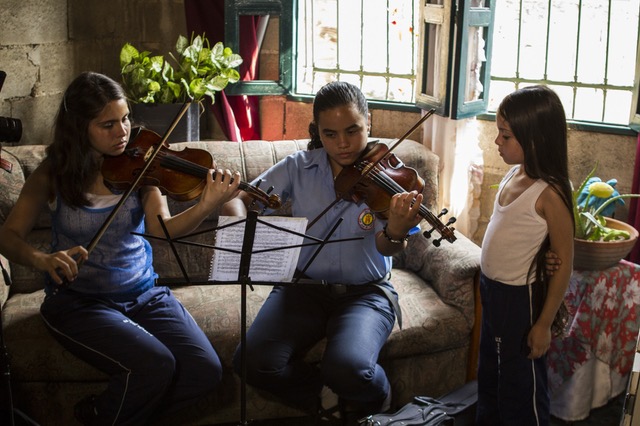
158,117
598,255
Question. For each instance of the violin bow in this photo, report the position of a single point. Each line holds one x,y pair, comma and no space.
372,166
125,196
392,147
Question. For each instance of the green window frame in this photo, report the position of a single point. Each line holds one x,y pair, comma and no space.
443,77
588,71
446,79
284,10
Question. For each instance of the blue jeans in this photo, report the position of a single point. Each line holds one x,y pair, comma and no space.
294,318
151,348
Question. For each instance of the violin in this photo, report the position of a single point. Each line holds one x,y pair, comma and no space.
376,177
179,174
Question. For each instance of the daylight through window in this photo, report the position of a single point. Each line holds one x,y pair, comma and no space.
584,50
372,44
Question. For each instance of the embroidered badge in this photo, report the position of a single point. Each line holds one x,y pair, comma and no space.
366,219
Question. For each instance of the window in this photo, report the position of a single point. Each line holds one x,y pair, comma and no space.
282,11
462,57
375,44
398,51
372,44
584,50
456,42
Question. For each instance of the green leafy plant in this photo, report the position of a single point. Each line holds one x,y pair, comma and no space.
590,202
199,71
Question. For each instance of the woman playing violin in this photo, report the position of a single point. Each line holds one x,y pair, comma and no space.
355,311
109,313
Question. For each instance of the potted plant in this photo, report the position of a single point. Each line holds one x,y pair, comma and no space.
157,89
600,241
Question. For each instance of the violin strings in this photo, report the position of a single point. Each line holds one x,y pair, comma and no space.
183,165
392,187
194,169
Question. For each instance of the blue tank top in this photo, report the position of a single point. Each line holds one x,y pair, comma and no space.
121,263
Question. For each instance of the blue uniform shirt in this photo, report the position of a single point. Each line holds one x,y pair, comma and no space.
305,178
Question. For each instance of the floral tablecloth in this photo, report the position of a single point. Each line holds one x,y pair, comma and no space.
592,363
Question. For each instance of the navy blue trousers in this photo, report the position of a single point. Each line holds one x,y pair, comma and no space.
150,347
294,318
512,389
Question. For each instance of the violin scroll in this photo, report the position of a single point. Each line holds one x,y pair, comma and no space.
446,232
267,199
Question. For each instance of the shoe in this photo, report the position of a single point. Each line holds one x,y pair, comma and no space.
85,411
329,410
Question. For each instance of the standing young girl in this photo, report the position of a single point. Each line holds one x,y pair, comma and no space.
111,314
354,311
532,214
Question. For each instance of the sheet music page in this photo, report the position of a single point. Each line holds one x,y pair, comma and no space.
276,265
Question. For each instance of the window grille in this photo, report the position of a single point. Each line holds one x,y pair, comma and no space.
584,49
370,43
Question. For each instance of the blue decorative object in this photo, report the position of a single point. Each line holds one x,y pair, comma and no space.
595,202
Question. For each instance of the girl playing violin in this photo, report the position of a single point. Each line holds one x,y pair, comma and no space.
354,311
111,314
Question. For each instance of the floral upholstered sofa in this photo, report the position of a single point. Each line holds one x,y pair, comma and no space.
430,355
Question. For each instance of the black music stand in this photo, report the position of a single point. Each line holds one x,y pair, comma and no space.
244,278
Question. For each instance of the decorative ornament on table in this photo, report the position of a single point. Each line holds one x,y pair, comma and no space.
600,241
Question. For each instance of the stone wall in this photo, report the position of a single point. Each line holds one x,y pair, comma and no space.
44,44
615,155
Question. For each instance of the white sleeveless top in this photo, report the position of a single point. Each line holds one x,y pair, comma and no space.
514,235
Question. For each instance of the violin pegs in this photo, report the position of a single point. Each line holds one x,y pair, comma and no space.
427,234
443,212
270,189
451,220
437,242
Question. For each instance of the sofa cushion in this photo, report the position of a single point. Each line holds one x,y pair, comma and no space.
24,159
429,325
11,184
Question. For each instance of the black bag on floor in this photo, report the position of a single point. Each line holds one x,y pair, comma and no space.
455,408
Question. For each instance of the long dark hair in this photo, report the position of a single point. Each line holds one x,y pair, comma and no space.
72,165
332,95
537,119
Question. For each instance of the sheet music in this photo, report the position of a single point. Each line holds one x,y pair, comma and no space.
276,265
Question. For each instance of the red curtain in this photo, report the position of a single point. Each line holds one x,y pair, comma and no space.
239,116
634,210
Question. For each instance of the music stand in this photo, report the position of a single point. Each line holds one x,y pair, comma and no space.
244,278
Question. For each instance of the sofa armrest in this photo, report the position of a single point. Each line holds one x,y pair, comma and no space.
4,286
450,269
